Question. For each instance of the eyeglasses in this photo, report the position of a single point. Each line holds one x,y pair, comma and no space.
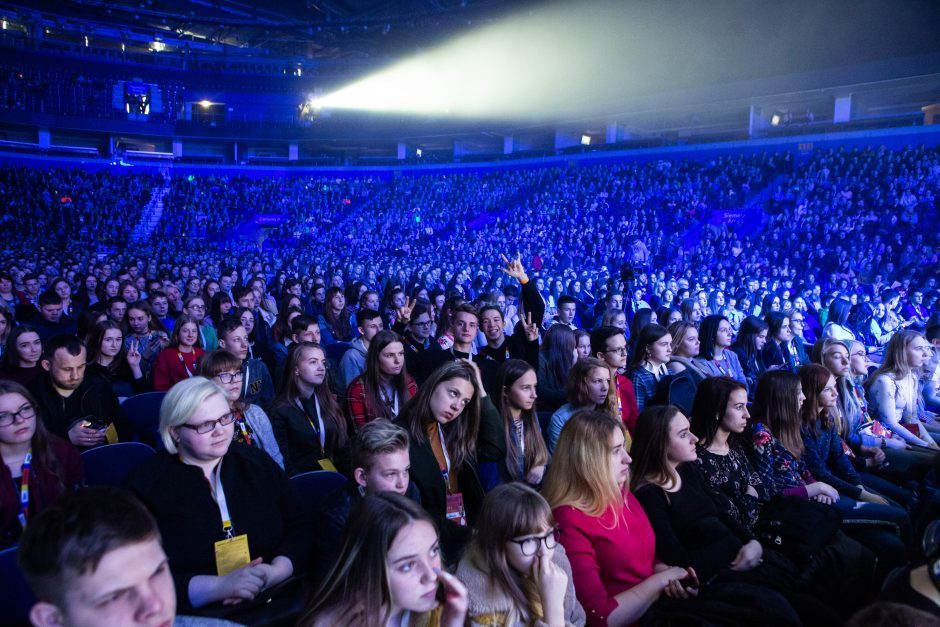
426,323
209,425
198,307
228,377
621,351
530,546
26,412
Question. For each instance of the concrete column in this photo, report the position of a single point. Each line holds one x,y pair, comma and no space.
507,145
177,148
402,151
292,151
45,138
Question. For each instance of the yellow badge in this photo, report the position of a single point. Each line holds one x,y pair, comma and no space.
110,434
231,554
327,464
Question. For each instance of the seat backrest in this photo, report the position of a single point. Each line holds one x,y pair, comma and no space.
110,465
336,350
311,489
143,411
16,598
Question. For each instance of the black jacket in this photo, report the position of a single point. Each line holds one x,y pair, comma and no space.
93,400
260,505
299,443
426,474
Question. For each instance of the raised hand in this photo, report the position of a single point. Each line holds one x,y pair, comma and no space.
514,268
404,313
531,329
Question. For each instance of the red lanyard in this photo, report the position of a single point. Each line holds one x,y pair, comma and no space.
24,488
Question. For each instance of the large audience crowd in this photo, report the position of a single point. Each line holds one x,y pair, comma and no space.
556,395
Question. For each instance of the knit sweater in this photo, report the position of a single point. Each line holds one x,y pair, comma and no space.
490,606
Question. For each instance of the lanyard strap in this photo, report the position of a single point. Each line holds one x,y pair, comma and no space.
617,392
319,428
243,427
218,494
24,488
391,403
189,373
446,470
518,430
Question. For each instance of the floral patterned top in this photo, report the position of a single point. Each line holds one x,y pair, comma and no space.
781,472
729,477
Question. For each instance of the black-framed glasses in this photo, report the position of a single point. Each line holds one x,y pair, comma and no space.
228,377
530,545
209,425
26,412
621,351
426,323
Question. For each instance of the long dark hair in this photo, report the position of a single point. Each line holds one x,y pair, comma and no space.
650,441
96,337
356,589
648,335
708,335
746,342
776,407
711,403
11,357
371,376
536,453
460,434
558,350
289,393
814,378
338,323
839,311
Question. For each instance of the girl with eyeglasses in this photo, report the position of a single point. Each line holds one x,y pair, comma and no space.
229,524
36,465
515,571
252,426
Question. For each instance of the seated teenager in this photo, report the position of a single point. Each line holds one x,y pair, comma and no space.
225,511
609,345
22,355
692,531
334,322
146,334
464,324
94,558
515,571
653,350
556,358
716,357
454,428
380,463
824,453
602,527
749,346
384,387
779,350
110,362
51,320
685,348
195,307
37,467
257,385
178,361
308,424
588,388
526,452
368,324
252,426
893,390
72,405
389,572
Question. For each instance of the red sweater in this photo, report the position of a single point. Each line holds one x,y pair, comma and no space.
168,370
628,407
44,488
606,561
